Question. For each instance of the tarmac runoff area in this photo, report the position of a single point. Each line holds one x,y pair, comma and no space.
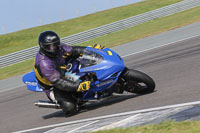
179,112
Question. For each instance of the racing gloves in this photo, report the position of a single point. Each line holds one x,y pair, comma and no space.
97,46
84,86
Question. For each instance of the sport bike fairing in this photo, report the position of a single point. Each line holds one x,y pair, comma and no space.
107,65
31,82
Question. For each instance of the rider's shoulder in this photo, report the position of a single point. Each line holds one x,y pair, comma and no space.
66,48
42,59
46,63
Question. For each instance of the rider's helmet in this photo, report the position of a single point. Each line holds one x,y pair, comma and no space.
49,43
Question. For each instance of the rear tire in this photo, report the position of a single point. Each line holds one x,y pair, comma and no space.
137,82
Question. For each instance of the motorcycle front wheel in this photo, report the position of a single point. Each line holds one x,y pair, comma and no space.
136,82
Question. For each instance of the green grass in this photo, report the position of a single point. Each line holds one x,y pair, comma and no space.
16,69
27,38
166,127
117,38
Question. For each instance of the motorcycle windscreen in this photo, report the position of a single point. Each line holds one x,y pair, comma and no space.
31,82
90,58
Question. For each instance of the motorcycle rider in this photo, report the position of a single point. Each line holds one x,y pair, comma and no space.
50,68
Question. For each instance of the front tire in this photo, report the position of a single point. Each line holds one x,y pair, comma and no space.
137,82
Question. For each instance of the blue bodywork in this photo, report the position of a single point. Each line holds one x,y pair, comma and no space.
105,63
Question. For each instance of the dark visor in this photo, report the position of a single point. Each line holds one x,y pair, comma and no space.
53,47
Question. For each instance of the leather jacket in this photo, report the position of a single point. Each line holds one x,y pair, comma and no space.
49,71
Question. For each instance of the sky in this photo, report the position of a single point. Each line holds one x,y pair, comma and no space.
22,14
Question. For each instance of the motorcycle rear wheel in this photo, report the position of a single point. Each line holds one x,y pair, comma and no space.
137,82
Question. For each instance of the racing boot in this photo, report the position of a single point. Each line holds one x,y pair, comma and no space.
68,108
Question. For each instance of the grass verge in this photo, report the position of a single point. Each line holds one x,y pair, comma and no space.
16,69
166,127
149,28
140,31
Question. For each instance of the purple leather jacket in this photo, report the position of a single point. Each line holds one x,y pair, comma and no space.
48,66
48,70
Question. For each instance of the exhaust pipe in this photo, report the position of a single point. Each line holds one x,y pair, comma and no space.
47,104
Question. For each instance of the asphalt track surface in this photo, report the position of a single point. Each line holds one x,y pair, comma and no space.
175,69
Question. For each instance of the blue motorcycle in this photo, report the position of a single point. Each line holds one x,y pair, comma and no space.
107,73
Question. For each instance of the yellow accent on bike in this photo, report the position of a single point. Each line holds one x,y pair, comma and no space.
41,79
109,53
